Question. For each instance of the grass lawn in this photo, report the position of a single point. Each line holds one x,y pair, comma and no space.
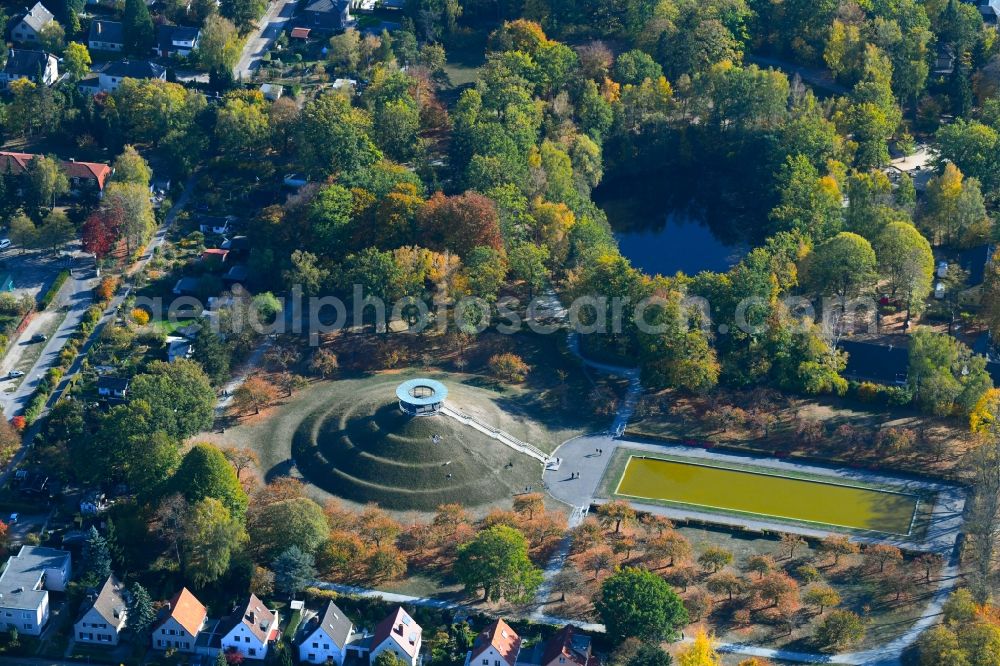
349,438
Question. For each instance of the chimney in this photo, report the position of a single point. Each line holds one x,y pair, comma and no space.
399,629
252,617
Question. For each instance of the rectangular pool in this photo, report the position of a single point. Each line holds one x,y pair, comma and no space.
768,494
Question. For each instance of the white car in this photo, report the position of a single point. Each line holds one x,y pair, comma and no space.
14,374
942,269
13,519
4,243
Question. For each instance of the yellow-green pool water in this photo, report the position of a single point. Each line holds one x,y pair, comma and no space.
768,494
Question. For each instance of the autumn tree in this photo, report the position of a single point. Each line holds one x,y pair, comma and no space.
509,367
880,554
253,395
377,527
530,503
324,362
840,629
837,546
670,546
617,513
728,583
460,223
822,597
715,558
701,652
297,521
241,458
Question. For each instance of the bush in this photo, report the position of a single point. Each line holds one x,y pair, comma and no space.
140,316
107,288
880,394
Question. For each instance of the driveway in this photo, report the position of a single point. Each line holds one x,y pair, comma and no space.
268,29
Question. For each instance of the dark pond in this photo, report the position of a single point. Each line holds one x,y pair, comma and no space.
659,236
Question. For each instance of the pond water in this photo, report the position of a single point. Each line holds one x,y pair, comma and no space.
658,236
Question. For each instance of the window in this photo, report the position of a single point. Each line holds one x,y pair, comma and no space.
27,626
486,662
315,645
253,651
326,646
312,657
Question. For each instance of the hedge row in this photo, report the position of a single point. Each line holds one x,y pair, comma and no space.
50,295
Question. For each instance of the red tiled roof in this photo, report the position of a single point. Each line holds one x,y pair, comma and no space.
300,33
16,163
187,611
504,639
400,627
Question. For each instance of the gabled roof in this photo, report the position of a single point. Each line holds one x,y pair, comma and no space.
187,611
15,164
502,638
109,603
38,17
401,628
567,643
134,69
334,624
28,64
113,383
254,615
168,35
112,32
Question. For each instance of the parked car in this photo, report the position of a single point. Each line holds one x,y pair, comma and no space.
942,269
38,337
939,290
14,374
13,519
4,243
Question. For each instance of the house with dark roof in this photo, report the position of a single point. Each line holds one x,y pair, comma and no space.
398,633
180,624
106,36
324,638
36,66
29,28
111,77
325,16
496,645
112,388
103,616
177,40
25,586
569,647
82,176
250,629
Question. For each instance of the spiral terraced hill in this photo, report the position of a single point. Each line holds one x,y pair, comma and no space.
367,450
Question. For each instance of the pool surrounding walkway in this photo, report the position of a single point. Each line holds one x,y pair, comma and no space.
585,460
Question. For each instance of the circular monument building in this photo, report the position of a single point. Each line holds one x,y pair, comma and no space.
421,397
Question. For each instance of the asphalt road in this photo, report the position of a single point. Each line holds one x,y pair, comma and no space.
76,295
268,29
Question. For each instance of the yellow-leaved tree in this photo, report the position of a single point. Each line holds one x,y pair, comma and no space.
701,652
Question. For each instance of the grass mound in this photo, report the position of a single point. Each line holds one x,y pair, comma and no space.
366,450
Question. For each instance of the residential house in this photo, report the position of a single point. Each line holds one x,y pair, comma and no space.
103,616
299,33
106,36
177,40
238,274
272,91
187,286
990,9
325,16
25,586
250,629
399,633
182,622
112,388
29,28
178,348
215,224
496,645
568,647
112,75
324,638
82,176
37,66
